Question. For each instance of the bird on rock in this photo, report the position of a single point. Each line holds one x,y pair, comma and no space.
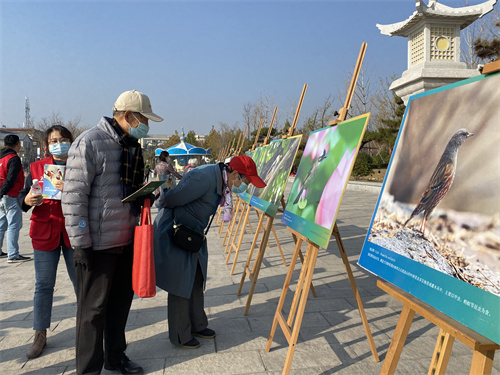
441,180
310,175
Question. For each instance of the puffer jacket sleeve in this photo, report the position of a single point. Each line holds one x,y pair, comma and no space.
80,173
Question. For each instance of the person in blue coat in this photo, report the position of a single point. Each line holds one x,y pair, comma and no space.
183,274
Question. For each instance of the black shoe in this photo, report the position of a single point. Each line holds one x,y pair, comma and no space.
17,259
126,366
206,333
191,344
3,255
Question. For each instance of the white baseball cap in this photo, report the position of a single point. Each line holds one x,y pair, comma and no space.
136,101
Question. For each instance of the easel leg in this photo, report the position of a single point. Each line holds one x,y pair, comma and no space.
442,352
284,291
279,246
313,291
230,228
482,362
355,291
250,253
254,275
240,238
398,341
310,263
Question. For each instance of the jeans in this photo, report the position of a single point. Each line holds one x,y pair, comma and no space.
45,276
11,221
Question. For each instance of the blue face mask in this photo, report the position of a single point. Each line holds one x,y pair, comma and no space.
239,189
60,150
140,132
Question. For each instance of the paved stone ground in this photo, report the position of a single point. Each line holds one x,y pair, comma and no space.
331,340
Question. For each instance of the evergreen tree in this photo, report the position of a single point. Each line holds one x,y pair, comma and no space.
191,138
388,131
488,49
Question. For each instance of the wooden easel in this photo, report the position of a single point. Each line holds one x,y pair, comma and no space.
291,326
258,135
237,245
268,136
483,349
253,273
242,229
236,212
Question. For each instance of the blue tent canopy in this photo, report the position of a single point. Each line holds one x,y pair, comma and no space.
184,148
183,151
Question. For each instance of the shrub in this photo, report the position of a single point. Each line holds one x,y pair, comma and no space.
363,165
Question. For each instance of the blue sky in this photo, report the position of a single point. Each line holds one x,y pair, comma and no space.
198,61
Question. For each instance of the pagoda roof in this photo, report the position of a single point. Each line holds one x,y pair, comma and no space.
464,15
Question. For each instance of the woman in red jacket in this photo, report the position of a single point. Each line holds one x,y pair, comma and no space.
47,232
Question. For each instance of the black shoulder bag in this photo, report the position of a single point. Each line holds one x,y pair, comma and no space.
187,238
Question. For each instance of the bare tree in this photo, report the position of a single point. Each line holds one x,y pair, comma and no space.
56,119
253,113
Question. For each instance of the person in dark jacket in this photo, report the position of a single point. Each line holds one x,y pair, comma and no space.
11,183
105,165
48,235
183,274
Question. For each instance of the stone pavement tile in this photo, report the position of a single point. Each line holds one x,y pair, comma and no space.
305,357
229,325
247,284
56,357
147,315
145,332
221,363
326,338
50,370
12,313
227,341
261,323
369,366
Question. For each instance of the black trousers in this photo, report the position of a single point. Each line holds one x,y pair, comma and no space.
187,315
104,297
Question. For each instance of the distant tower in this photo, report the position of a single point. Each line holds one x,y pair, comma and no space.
27,120
433,33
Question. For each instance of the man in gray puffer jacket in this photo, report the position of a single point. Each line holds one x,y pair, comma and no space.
105,165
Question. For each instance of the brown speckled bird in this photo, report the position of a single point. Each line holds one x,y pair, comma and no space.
442,178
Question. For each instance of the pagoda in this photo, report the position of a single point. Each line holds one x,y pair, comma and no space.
433,33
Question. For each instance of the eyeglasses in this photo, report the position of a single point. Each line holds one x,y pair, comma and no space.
241,176
53,141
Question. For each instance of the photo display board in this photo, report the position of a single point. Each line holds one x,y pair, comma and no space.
257,156
321,179
275,171
435,232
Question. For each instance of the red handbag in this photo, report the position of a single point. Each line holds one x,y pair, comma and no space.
143,269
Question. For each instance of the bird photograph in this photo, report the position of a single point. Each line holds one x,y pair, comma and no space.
322,176
440,201
277,175
442,178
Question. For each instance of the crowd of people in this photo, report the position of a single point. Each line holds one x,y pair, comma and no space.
93,229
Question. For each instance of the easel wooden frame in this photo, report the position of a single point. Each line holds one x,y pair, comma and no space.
483,349
258,135
231,228
291,326
237,246
253,273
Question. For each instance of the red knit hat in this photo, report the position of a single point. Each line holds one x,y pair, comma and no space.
245,165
